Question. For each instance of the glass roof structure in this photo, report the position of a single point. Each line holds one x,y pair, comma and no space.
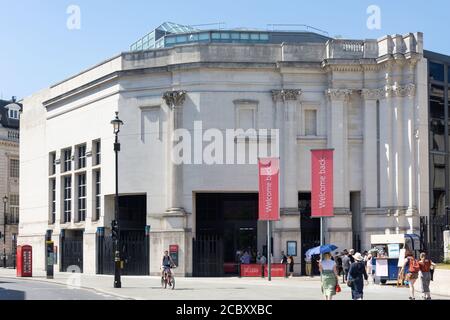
170,34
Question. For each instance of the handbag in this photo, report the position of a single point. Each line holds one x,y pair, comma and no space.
338,288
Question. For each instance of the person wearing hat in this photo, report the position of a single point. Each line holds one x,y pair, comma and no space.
356,276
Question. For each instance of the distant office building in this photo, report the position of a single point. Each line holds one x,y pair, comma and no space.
439,124
366,99
9,179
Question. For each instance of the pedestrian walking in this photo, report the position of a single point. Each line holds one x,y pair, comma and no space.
283,258
308,268
338,260
346,262
356,276
351,254
411,269
369,267
290,263
328,276
262,259
425,266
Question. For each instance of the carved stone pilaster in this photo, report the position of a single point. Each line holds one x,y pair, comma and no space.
174,98
338,94
286,95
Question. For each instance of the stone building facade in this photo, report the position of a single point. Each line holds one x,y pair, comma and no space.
366,99
9,179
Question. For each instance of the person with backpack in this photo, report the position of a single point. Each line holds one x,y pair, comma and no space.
425,266
411,269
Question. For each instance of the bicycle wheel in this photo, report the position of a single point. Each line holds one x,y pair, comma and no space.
172,280
163,283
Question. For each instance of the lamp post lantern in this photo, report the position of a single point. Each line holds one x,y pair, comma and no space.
116,123
5,200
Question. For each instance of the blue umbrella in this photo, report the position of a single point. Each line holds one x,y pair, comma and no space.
321,249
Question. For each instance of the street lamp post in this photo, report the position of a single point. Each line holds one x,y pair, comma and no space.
5,200
115,223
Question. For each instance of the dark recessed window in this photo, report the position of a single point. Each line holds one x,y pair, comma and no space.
82,197
97,152
53,200
67,183
97,176
436,71
67,160
52,163
81,150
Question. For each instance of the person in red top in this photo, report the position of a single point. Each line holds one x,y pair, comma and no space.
425,265
411,268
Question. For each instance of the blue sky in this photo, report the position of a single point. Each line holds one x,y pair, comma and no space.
38,50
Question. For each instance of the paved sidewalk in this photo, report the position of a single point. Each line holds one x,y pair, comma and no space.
149,288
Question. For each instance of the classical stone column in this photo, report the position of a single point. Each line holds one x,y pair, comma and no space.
286,103
397,147
288,228
338,140
409,152
174,100
370,182
386,179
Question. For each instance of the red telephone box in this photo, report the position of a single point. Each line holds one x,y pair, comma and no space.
24,261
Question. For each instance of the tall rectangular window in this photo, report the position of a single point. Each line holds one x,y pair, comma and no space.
14,168
67,160
67,198
97,176
52,163
82,197
97,152
81,150
310,122
14,209
53,200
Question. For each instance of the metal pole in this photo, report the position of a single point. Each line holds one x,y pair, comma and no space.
117,281
321,232
4,234
269,251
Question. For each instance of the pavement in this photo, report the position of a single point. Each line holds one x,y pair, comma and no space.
149,288
19,289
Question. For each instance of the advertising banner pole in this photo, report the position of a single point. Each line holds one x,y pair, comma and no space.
321,231
269,250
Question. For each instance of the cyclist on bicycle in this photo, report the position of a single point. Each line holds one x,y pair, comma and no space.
167,264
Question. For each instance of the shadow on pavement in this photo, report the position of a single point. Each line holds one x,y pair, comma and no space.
6,294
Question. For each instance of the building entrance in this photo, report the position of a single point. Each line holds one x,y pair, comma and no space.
226,228
310,230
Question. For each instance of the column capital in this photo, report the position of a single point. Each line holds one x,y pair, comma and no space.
174,98
408,90
286,95
339,94
373,94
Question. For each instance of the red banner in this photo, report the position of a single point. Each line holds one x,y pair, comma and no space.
322,183
278,270
269,206
251,270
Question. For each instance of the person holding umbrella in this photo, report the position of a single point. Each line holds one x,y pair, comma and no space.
328,276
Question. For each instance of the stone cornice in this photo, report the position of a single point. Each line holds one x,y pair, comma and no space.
286,95
338,94
174,98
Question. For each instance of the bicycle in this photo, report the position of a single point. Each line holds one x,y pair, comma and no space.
168,279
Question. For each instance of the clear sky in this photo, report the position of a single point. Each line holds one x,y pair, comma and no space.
37,49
